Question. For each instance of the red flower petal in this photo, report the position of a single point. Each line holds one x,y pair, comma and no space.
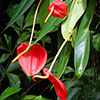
58,85
60,9
34,61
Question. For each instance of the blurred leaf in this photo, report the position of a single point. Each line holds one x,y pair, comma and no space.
11,9
51,24
96,41
63,60
74,92
26,36
13,97
9,91
46,39
8,41
4,57
14,80
3,48
43,12
29,17
51,1
76,11
72,84
90,92
20,21
13,66
82,43
89,72
74,35
20,10
33,97
1,69
68,70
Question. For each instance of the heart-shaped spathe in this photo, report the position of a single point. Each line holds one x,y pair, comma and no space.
34,61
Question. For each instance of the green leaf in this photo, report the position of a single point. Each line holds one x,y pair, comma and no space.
9,91
68,69
51,24
43,12
4,57
34,97
76,11
1,69
81,55
20,21
13,66
30,17
82,42
26,36
96,41
3,48
14,80
20,10
8,41
74,92
63,60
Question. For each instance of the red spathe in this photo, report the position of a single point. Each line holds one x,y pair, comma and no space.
58,85
60,9
34,61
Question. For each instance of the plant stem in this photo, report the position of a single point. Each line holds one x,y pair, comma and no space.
62,46
34,21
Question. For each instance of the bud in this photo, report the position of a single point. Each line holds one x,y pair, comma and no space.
60,9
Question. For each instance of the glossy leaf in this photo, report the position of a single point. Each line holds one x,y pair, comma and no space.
8,92
29,17
14,80
8,40
13,66
43,12
4,57
82,42
82,46
96,41
76,11
63,60
20,10
49,26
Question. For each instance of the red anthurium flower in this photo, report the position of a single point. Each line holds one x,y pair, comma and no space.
58,85
60,9
34,61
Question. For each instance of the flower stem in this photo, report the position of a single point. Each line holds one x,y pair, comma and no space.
60,49
34,21
49,14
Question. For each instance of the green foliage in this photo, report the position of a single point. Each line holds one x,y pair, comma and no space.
9,91
82,42
78,63
76,11
96,41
